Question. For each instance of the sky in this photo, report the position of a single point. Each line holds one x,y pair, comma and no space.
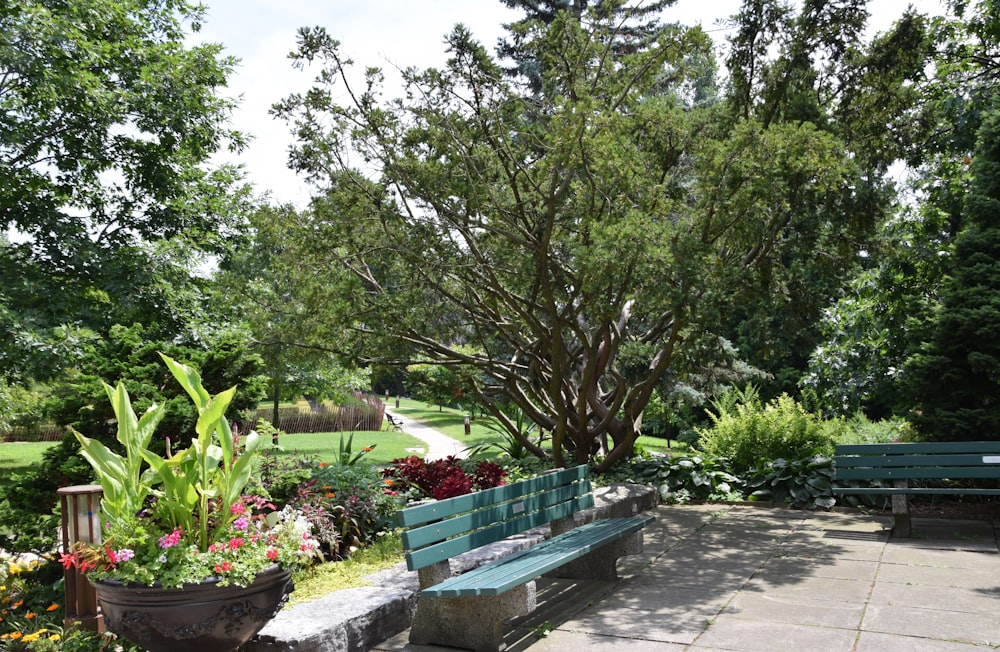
384,33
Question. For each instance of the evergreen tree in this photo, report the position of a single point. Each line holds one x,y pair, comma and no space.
954,380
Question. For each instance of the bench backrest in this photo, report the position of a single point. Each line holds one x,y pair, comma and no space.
442,529
918,460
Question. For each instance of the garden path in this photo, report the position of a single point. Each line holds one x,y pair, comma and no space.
439,445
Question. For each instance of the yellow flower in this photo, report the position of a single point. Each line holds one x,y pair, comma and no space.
54,637
14,569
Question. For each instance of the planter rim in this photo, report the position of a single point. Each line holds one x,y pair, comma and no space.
118,584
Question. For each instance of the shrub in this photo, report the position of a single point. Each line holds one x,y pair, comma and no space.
804,483
350,506
683,479
750,434
440,479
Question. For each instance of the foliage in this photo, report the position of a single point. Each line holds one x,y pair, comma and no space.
439,385
30,608
257,281
749,433
440,479
511,446
112,113
579,239
29,519
184,518
811,62
954,378
803,483
681,479
859,429
349,505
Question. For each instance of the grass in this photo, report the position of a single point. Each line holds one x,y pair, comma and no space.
448,421
19,456
325,446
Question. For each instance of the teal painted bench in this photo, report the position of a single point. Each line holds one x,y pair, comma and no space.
902,462
469,610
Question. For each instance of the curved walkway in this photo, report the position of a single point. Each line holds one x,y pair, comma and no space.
439,445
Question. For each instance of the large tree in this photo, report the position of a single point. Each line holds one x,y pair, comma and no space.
585,241
108,118
954,380
811,62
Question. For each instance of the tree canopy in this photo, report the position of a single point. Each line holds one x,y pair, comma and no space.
587,241
107,122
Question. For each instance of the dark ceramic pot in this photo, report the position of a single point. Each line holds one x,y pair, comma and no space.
196,617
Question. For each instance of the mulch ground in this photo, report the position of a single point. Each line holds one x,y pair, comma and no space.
967,508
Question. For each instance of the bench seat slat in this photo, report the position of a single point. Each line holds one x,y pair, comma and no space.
521,567
916,473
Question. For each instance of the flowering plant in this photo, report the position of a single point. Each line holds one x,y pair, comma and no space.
187,517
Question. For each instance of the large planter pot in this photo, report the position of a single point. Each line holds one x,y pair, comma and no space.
196,617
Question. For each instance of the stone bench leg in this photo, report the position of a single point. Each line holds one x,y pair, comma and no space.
474,623
601,564
901,512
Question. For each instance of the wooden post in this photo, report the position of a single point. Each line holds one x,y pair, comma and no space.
80,506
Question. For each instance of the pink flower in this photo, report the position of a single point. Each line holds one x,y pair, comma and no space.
172,539
125,554
238,508
241,523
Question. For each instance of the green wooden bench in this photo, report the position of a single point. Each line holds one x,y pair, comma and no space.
903,462
469,610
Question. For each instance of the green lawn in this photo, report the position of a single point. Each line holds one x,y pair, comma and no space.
451,422
448,421
325,446
17,456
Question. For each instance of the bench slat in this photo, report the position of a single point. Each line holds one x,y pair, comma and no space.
420,514
417,559
956,491
904,473
521,567
916,448
917,460
434,532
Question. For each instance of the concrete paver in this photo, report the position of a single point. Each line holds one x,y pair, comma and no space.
746,578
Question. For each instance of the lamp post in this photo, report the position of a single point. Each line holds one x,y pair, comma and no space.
81,522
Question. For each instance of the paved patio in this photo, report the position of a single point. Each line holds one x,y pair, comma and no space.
747,578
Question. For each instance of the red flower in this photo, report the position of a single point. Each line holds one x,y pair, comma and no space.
272,554
68,560
235,543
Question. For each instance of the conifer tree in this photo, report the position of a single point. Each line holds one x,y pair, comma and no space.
954,380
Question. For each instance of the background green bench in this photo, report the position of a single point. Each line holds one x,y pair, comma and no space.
469,610
925,461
